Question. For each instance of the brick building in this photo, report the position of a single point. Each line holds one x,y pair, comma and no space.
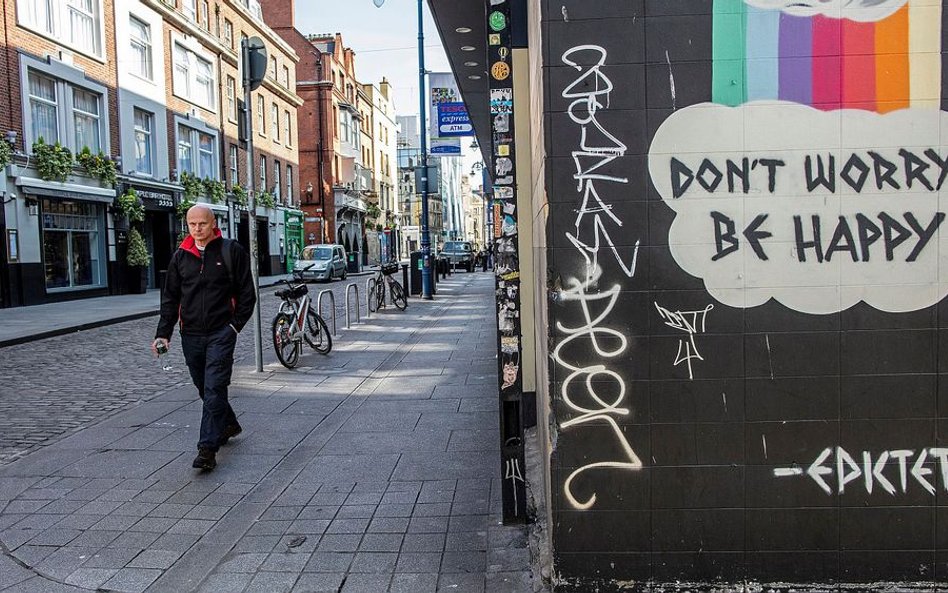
151,88
60,86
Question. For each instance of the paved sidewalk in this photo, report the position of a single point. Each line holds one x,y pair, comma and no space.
373,469
20,325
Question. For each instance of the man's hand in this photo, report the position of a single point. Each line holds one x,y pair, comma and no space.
154,345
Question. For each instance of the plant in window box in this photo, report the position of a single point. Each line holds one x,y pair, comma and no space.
265,199
184,206
6,153
97,165
137,260
53,161
240,195
216,191
193,186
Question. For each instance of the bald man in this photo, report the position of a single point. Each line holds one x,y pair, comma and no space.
209,292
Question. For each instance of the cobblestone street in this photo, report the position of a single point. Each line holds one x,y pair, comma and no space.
77,379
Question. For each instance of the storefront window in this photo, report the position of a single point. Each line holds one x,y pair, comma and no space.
72,248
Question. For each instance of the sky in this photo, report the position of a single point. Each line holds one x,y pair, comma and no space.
385,41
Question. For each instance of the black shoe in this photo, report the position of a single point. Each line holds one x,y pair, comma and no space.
231,430
206,459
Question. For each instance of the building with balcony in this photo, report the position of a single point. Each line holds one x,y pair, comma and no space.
382,158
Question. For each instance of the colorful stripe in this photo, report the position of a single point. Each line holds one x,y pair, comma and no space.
892,62
925,54
827,66
859,65
763,29
828,63
796,59
728,83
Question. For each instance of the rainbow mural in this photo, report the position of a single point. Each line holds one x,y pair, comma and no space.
825,62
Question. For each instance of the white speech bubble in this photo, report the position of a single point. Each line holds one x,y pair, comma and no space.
882,238
864,11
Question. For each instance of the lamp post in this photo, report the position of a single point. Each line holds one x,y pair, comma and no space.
422,133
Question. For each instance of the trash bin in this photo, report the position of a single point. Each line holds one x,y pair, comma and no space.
415,274
352,262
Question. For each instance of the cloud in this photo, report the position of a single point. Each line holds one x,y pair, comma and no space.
865,11
773,227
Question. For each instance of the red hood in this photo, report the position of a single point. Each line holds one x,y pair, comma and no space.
189,246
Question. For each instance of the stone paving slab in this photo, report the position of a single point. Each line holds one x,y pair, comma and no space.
351,475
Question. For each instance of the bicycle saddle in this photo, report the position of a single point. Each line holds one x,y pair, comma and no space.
291,293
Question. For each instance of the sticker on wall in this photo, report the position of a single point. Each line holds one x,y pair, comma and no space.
493,39
500,70
502,123
503,193
503,150
507,180
501,101
503,166
497,20
816,187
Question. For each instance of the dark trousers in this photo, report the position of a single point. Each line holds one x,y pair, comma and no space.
210,360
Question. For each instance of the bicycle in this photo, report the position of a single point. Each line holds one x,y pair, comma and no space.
375,299
289,330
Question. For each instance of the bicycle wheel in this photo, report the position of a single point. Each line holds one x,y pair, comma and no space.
317,334
287,349
398,295
380,295
371,300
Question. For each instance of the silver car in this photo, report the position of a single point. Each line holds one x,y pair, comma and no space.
321,262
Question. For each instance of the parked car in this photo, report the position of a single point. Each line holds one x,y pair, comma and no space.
321,262
459,254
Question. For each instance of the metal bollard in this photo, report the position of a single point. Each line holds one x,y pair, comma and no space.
349,287
405,280
332,304
368,295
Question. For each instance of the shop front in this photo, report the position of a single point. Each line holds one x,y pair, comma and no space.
293,221
160,228
61,242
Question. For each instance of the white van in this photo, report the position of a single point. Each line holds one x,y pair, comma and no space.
321,262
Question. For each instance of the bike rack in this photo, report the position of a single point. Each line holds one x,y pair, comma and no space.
368,295
332,304
353,285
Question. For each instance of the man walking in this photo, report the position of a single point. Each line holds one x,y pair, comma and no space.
209,291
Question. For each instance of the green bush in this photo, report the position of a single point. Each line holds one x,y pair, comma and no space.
215,190
240,194
193,186
97,165
183,208
53,161
129,204
6,153
265,199
137,251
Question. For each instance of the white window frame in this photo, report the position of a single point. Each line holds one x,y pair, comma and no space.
149,140
263,173
231,98
65,79
289,184
229,33
146,48
288,127
261,115
275,121
286,76
189,10
277,189
233,159
53,19
188,77
193,141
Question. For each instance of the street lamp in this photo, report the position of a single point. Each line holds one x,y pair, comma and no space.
422,133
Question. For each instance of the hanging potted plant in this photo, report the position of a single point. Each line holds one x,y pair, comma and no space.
130,208
138,260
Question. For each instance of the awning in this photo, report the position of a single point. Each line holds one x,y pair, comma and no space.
75,191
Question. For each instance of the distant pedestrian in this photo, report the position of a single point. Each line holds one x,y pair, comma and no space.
483,256
209,291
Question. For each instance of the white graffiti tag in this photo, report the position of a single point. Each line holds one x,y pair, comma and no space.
597,148
690,322
512,472
596,393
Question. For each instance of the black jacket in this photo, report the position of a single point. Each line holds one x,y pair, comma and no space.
198,292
